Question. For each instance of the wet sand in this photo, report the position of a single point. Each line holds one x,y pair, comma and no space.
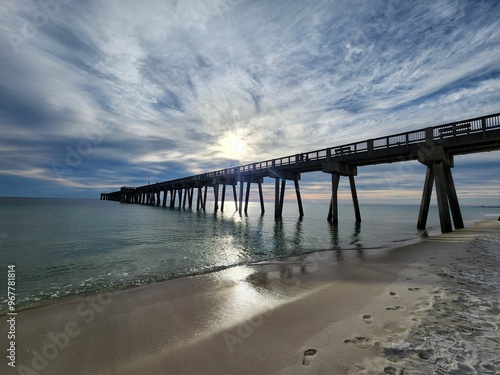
325,313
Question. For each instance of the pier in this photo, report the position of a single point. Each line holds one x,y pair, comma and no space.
435,147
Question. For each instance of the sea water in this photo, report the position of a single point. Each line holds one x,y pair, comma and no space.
66,247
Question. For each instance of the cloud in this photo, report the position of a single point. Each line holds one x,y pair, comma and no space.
177,88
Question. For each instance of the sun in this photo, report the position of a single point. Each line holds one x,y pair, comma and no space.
232,146
237,145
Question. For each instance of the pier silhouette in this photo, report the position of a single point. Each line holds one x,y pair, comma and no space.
433,146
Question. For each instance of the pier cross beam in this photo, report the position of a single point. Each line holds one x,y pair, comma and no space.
337,169
439,163
282,176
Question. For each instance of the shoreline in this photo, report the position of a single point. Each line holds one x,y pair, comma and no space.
276,260
92,278
133,284
306,314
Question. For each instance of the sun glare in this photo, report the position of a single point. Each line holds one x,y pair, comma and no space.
237,145
232,146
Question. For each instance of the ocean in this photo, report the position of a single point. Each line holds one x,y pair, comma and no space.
68,247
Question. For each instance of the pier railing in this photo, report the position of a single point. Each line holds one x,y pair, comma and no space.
451,130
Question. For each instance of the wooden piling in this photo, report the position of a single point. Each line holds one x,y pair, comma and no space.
261,198
426,198
453,199
333,216
276,198
282,196
191,193
223,197
199,199
186,193
299,199
241,197
247,197
439,163
442,197
173,194
216,195
235,198
205,198
355,202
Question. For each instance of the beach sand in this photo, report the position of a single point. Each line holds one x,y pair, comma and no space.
427,307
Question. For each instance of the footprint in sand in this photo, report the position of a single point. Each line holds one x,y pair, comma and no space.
390,370
360,342
394,294
309,354
395,308
413,289
368,319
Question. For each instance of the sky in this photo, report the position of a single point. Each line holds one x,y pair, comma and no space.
95,95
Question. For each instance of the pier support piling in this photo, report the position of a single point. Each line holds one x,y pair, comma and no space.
333,212
279,190
299,199
355,202
276,197
282,197
261,198
205,198
439,164
216,196
337,169
180,197
223,197
225,181
235,198
426,198
442,198
453,198
172,197
247,197
191,193
186,193
199,199
241,198
249,180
